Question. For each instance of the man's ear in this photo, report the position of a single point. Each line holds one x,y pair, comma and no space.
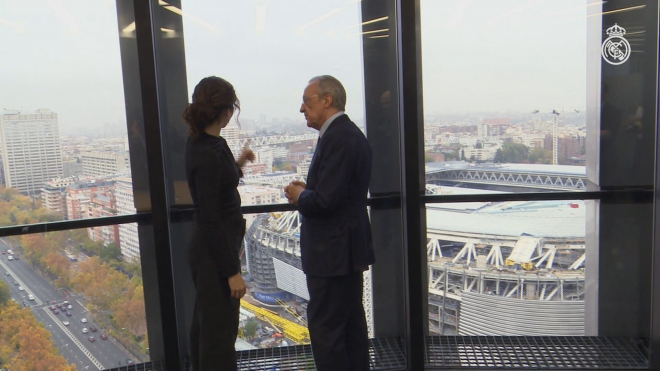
327,101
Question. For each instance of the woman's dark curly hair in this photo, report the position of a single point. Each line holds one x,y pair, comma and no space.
211,96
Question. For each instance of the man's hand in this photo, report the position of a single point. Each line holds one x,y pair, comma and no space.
246,155
293,190
237,286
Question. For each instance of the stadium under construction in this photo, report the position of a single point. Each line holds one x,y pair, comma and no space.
494,268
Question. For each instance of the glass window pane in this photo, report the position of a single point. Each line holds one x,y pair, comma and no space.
539,268
494,266
276,281
269,64
63,132
505,111
86,300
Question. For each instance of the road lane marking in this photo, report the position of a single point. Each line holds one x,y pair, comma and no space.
75,340
39,302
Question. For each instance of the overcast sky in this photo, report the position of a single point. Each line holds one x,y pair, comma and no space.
478,55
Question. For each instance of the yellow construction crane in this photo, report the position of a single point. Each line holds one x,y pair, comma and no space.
292,330
292,311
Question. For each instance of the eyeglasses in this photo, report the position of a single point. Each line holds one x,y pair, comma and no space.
306,99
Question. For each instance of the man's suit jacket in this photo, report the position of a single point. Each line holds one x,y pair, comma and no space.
335,236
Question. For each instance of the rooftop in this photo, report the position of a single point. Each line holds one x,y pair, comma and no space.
553,219
519,168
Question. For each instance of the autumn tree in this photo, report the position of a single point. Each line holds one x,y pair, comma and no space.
25,344
110,252
130,314
33,246
5,294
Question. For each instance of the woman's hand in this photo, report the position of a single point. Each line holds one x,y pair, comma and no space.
246,155
237,286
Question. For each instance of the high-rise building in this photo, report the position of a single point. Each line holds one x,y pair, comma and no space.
31,153
105,163
264,155
303,167
72,167
103,204
78,196
53,199
231,131
53,195
129,242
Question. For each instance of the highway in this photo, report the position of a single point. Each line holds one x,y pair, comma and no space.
73,344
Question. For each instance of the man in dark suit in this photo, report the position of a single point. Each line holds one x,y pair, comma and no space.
335,237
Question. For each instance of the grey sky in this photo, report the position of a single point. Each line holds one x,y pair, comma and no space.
478,55
513,55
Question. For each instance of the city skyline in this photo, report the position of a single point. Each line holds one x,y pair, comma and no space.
466,72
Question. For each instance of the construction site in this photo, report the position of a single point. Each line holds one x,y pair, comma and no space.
494,268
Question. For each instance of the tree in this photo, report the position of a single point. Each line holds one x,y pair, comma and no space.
25,344
33,246
110,253
428,158
512,153
462,154
5,294
479,145
79,235
251,328
540,156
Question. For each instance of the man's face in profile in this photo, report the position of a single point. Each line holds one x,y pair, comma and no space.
313,106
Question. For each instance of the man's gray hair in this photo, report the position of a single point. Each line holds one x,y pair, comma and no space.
332,86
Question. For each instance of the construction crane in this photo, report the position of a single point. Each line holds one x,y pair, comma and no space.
555,133
291,330
292,311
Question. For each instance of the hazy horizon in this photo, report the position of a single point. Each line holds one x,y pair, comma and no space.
477,56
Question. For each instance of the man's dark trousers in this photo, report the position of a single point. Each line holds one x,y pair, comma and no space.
337,323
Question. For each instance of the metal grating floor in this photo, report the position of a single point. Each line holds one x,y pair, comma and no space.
386,354
546,352
147,366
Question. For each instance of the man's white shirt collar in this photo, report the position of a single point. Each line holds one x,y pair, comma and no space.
329,121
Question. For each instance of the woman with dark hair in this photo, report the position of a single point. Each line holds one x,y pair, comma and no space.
219,225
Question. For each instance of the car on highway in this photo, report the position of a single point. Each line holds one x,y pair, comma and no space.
93,329
10,257
52,307
70,306
104,337
66,323
15,283
68,314
7,274
56,311
129,362
91,338
85,330
20,288
84,320
30,297
4,252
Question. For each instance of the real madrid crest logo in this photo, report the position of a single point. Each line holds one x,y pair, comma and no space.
616,49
